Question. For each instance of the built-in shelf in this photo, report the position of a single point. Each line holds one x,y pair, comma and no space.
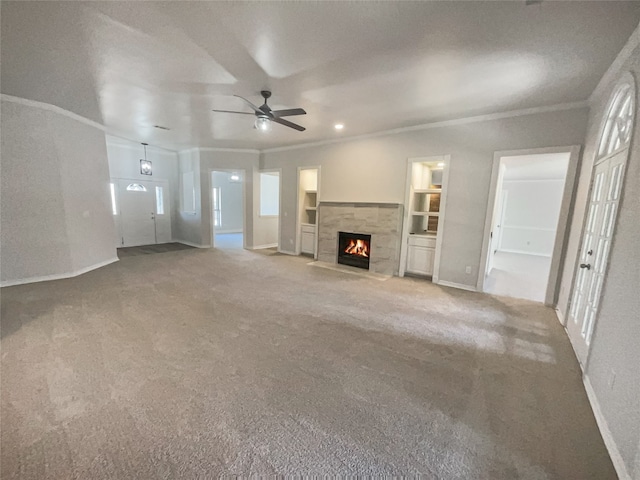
309,219
424,217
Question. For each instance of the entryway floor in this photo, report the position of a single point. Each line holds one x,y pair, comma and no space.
149,249
519,276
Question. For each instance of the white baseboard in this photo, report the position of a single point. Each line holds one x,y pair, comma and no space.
191,244
287,252
57,276
268,245
609,442
560,316
461,286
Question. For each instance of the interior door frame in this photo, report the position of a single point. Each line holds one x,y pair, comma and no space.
243,172
562,229
446,159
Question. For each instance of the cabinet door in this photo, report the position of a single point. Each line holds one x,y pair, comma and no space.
420,260
308,242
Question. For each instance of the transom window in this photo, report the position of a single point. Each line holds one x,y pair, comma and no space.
617,129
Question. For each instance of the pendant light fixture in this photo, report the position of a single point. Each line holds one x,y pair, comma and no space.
145,165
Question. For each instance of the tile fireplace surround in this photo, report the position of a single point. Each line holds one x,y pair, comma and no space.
383,221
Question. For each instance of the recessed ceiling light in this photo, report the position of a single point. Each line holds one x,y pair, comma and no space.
338,126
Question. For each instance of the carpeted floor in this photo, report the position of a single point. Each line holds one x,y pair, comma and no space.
200,363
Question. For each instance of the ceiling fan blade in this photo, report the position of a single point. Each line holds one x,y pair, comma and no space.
289,112
289,124
231,111
253,107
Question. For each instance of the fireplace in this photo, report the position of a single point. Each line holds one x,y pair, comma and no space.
354,249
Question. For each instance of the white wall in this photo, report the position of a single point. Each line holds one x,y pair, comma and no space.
531,216
56,207
231,194
188,225
266,226
614,345
374,170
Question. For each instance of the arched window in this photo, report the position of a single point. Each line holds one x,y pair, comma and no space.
136,187
617,129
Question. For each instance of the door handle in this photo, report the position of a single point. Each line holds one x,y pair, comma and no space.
590,252
585,265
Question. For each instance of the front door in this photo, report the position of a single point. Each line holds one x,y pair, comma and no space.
596,242
137,209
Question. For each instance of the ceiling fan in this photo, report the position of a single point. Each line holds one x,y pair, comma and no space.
264,114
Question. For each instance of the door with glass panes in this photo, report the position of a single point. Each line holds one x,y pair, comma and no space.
144,216
606,191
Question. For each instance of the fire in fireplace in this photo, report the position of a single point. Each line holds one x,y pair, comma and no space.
354,249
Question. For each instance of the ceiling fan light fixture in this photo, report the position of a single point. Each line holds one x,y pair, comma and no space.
263,124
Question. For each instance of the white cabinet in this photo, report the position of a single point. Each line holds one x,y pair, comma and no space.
421,252
308,243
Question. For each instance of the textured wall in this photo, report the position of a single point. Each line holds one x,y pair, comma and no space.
56,207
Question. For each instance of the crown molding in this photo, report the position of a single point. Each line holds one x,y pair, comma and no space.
396,131
616,66
446,123
133,145
220,149
52,108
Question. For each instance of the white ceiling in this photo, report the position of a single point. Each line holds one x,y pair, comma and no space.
547,166
373,66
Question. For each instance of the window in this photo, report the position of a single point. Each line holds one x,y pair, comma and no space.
188,193
269,194
136,187
114,209
159,201
217,202
617,128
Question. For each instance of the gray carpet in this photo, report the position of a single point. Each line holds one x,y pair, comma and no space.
200,363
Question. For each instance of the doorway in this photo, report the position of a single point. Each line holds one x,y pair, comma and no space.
227,209
530,202
142,213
